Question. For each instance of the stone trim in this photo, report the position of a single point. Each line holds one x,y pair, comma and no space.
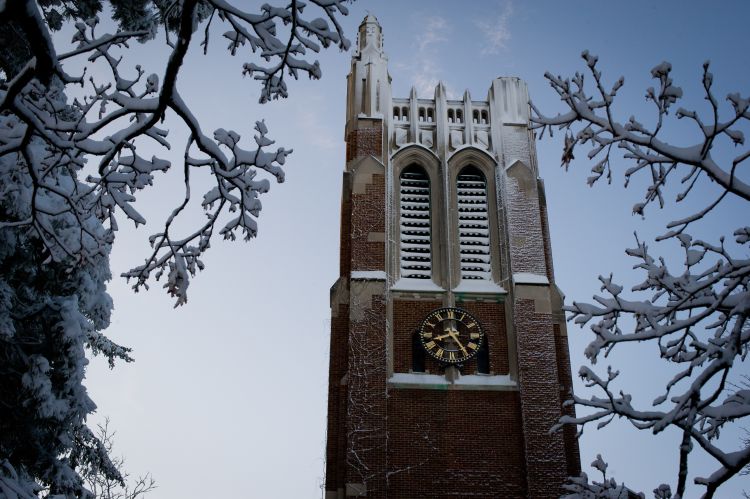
465,382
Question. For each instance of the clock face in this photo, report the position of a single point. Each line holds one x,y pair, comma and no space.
451,335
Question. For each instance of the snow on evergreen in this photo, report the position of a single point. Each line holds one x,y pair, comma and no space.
70,171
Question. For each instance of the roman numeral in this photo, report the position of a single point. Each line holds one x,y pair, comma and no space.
427,334
451,314
439,317
472,345
439,353
451,355
471,324
429,345
474,336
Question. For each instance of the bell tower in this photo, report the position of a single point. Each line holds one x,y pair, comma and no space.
449,356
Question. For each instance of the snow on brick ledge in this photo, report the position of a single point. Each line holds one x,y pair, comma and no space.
529,278
368,275
418,285
465,382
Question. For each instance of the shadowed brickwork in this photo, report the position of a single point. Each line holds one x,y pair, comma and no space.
451,444
367,225
540,399
364,142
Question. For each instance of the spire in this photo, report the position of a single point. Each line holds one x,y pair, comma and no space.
440,90
370,35
369,84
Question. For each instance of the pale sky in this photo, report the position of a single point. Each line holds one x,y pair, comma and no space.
227,397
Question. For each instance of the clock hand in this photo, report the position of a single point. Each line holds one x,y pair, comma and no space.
455,338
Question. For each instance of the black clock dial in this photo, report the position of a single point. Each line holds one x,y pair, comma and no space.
451,335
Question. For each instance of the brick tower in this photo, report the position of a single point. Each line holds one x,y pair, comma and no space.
449,356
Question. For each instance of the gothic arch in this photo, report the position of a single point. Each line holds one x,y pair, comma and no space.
416,153
415,156
473,157
415,223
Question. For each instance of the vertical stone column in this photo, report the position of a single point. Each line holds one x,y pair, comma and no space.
337,391
366,380
546,463
536,341
367,344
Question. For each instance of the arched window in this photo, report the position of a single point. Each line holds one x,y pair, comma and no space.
473,224
450,115
483,357
416,261
377,97
396,114
417,354
364,92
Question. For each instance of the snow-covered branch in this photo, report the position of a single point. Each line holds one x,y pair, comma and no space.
694,311
594,114
71,168
90,128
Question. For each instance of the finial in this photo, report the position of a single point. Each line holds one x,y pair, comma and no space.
440,89
370,18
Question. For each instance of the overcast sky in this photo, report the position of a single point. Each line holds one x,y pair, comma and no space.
227,397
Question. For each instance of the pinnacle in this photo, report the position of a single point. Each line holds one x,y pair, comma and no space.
370,19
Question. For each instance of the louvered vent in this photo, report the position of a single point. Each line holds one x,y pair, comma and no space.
416,261
473,225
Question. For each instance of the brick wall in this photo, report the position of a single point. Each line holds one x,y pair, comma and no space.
454,443
572,453
364,142
366,402
345,255
540,400
336,436
368,221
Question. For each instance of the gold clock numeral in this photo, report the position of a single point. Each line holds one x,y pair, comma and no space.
450,334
